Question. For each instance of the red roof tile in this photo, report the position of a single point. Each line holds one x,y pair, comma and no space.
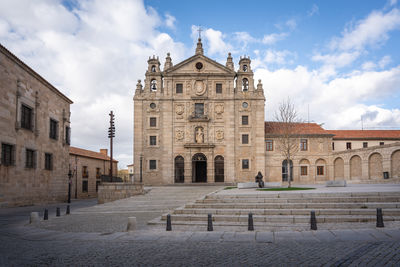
88,153
365,134
273,127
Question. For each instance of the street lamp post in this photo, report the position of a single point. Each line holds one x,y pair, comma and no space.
69,185
111,134
141,168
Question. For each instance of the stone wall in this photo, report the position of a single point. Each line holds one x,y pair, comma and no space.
21,183
113,191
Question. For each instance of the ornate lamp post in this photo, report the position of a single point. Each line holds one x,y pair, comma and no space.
141,168
69,185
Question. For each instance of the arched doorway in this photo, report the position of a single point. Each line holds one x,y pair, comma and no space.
395,162
355,168
338,168
285,172
179,169
375,167
219,169
199,168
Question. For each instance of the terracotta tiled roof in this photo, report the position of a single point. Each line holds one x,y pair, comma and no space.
365,134
88,153
273,127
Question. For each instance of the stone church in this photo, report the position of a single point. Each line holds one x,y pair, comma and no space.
203,122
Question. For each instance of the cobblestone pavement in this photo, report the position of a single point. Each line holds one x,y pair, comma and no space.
57,243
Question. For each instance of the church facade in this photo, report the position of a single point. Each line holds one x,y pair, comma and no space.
203,122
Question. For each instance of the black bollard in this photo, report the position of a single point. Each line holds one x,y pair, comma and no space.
251,224
379,218
58,212
169,226
68,211
210,225
313,221
46,214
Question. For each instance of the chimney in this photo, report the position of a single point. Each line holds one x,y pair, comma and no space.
104,151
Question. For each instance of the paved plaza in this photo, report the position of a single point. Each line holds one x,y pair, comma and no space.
95,235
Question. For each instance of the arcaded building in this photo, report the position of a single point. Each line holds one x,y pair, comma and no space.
203,122
35,135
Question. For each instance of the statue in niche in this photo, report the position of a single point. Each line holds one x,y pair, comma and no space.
199,135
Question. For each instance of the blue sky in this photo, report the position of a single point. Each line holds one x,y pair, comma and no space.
339,59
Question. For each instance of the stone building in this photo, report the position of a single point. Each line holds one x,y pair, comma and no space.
87,167
200,121
34,135
131,168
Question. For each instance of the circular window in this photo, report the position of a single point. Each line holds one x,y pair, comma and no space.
199,65
245,104
153,105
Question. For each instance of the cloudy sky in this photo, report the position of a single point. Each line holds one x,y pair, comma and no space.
338,59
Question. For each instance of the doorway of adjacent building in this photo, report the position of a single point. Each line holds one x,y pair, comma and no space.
179,169
219,168
285,171
199,168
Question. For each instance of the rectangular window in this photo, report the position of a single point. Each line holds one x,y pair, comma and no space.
26,117
348,145
333,146
365,144
270,145
320,170
198,110
245,138
153,140
303,144
30,159
153,122
245,164
53,129
85,172
218,88
67,135
84,186
152,164
303,170
381,143
98,173
179,88
48,161
245,120
7,154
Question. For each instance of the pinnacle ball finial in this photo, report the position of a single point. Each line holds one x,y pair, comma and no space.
168,54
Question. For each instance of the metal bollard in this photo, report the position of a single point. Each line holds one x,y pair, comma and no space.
46,214
169,226
58,212
251,224
210,225
313,221
379,218
68,210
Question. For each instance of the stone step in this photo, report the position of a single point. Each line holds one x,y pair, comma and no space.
302,195
341,205
302,200
388,212
287,219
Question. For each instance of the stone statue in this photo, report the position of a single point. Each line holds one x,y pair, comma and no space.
259,180
199,135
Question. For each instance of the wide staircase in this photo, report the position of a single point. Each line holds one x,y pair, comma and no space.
279,211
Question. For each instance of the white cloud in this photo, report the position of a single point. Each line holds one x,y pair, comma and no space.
94,54
337,102
277,57
337,60
370,31
292,24
392,2
273,38
170,21
216,43
384,61
314,10
369,65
